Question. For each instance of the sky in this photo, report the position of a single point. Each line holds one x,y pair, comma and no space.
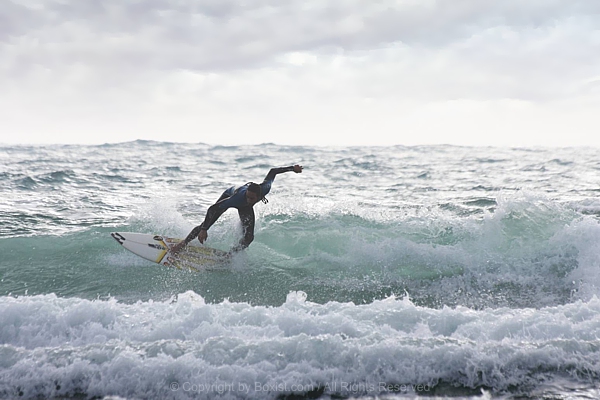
301,72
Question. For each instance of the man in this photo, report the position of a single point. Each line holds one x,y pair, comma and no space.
243,198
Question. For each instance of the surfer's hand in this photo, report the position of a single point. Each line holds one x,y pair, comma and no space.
202,236
298,168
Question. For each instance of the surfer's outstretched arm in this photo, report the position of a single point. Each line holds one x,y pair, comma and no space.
274,171
265,186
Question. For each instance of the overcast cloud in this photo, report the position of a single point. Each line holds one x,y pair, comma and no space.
301,72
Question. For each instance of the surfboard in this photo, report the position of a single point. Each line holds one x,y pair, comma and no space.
156,248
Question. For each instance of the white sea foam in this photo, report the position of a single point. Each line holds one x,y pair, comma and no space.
184,347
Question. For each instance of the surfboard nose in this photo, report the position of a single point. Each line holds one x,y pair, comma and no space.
118,237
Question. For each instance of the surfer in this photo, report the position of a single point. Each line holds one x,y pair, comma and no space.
243,198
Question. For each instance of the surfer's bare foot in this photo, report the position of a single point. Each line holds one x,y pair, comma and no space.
177,247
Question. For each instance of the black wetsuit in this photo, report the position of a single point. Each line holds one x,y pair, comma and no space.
236,198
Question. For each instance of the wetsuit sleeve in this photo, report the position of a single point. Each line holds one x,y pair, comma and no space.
265,186
212,215
274,171
193,234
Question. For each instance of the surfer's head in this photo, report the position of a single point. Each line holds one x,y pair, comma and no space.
253,194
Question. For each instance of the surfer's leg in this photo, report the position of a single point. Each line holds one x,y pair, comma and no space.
247,218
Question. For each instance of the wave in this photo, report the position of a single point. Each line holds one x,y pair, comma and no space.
528,253
55,347
431,270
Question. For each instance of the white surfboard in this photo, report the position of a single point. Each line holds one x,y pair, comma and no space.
156,248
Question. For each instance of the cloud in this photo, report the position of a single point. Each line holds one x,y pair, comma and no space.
116,63
228,34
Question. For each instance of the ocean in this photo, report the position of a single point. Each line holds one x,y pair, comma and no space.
391,272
